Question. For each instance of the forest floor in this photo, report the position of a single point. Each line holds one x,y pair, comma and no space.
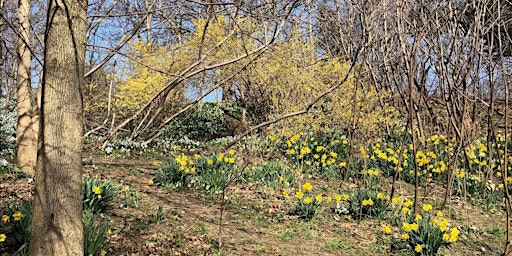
255,220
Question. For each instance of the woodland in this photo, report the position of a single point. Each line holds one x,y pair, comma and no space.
258,127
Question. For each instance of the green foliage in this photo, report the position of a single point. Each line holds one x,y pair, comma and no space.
426,234
216,171
15,225
97,195
203,122
323,154
95,234
306,204
131,198
273,174
174,172
158,216
15,228
373,204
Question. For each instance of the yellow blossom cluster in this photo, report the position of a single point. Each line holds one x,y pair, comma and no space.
186,165
307,150
17,216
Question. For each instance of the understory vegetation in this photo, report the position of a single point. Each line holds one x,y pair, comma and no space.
300,182
258,128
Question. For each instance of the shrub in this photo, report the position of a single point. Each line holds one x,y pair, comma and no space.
97,195
15,228
198,123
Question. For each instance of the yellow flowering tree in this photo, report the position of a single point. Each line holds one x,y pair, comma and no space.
293,74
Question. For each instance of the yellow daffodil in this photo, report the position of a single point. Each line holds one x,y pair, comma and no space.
307,186
368,202
387,229
427,207
407,227
17,216
396,200
453,235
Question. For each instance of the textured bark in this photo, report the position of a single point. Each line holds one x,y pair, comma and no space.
57,227
27,128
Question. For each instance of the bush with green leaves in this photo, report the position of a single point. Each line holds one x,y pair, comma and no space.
97,195
95,234
15,228
207,121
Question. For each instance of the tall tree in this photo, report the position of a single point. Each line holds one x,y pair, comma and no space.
28,122
57,227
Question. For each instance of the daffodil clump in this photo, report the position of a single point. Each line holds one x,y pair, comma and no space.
317,153
431,154
306,203
273,174
368,203
15,229
97,195
216,171
425,233
174,171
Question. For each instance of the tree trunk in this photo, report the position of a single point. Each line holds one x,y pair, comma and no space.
57,227
26,137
